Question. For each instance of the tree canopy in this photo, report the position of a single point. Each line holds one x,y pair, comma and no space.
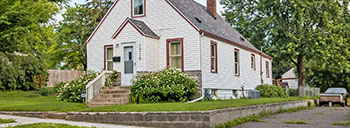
309,35
76,27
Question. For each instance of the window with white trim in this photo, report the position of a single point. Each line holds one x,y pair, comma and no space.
138,8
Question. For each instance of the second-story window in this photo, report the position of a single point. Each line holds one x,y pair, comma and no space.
138,8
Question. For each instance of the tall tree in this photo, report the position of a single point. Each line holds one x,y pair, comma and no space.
23,25
295,31
78,23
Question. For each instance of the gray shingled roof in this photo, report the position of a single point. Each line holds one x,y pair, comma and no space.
144,28
217,26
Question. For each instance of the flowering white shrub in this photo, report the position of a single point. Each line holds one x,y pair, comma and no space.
71,92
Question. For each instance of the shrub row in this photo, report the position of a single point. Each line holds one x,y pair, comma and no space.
71,92
271,91
168,85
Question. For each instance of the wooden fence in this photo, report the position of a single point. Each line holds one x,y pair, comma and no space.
56,76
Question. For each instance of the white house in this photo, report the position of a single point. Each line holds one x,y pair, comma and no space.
291,78
141,36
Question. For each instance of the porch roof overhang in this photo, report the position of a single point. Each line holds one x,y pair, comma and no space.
140,26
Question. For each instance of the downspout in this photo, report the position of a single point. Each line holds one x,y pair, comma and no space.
261,73
200,57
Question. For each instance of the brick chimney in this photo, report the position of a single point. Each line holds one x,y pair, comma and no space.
211,5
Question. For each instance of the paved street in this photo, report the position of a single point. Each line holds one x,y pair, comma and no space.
29,120
320,117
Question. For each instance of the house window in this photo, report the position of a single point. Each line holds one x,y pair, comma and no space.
175,53
138,8
108,57
267,69
237,70
252,65
213,57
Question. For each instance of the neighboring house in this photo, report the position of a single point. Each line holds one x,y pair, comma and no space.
142,36
293,81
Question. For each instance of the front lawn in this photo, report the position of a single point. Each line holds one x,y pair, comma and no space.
198,106
45,125
29,101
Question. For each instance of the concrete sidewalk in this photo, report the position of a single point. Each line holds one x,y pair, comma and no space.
30,120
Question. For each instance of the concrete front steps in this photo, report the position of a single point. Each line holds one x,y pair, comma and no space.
111,96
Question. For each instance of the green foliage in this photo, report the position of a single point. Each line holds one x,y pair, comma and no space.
293,92
17,72
346,123
305,34
272,91
44,91
4,121
239,120
111,79
58,85
71,92
25,28
296,122
46,125
73,31
168,85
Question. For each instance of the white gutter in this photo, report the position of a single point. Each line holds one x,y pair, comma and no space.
200,56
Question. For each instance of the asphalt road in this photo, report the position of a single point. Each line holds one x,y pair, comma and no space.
319,117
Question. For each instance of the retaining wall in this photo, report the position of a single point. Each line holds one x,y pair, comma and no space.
199,119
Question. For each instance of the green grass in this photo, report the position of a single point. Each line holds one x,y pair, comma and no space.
45,125
5,121
296,122
238,121
198,106
347,123
30,101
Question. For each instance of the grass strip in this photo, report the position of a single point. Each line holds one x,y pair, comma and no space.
47,125
256,118
346,123
296,122
5,121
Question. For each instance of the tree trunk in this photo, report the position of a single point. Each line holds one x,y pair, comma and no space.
301,71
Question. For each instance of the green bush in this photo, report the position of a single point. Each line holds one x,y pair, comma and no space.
71,92
44,91
58,85
272,91
293,92
168,85
17,72
111,79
